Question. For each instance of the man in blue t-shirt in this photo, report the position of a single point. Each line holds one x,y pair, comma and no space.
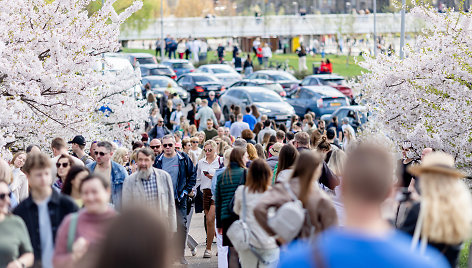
367,239
249,118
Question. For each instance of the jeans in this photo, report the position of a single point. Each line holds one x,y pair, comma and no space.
249,259
182,230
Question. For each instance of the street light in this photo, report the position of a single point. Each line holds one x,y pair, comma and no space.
402,35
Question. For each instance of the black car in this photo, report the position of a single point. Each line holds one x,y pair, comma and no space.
157,69
286,80
199,85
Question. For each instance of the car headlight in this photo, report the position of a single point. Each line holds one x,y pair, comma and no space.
264,110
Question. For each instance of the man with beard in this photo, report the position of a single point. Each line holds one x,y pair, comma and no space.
150,187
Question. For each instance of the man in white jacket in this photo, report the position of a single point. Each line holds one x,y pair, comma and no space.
150,187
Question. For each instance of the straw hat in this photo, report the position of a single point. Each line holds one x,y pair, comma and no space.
437,162
275,149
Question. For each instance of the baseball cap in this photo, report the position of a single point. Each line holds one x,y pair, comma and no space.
79,139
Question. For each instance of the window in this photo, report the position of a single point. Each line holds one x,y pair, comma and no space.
307,82
204,79
306,94
147,60
265,97
163,82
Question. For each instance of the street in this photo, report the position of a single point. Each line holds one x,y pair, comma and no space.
197,231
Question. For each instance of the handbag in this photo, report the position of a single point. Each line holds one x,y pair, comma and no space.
289,218
240,234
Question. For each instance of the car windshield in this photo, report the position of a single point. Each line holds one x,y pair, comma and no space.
164,82
274,87
283,76
147,60
182,65
157,71
264,97
204,79
334,82
221,71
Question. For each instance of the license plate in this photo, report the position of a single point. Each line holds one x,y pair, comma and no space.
335,104
280,117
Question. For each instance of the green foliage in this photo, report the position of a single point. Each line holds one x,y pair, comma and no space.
464,255
139,20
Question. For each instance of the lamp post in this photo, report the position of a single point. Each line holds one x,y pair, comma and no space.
162,29
402,35
375,28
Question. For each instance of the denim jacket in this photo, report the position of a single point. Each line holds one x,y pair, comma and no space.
187,174
118,175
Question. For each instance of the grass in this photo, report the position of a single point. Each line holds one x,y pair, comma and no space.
464,255
340,67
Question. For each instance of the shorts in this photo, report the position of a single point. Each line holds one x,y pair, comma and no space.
207,201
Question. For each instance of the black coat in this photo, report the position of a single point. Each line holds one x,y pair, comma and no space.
59,206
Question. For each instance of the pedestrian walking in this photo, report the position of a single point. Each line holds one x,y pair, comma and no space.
266,54
182,172
15,245
248,66
264,251
80,233
78,145
287,158
237,63
71,186
37,209
301,52
19,184
302,185
238,126
151,188
63,165
205,113
110,170
227,183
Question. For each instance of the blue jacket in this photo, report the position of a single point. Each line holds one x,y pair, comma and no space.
187,174
118,175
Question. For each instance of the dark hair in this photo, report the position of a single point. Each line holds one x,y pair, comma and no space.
147,152
105,144
73,172
105,183
248,109
259,176
36,161
315,138
128,243
327,61
260,151
283,128
137,145
324,145
298,124
30,147
331,133
69,158
257,128
237,110
247,134
267,123
289,136
335,120
232,118
287,157
255,112
237,155
304,170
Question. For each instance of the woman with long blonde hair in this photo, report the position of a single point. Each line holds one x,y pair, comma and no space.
443,216
336,165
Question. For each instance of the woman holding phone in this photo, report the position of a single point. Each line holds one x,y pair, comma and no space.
206,168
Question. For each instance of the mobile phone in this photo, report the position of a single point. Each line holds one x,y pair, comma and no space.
205,172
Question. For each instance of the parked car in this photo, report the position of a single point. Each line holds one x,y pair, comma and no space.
332,80
318,99
285,79
160,83
198,85
276,87
141,58
267,102
225,73
356,114
180,67
157,69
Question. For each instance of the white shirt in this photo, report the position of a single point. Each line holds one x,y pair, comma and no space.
237,128
203,165
196,153
266,52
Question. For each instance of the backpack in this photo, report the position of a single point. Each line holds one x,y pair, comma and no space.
289,218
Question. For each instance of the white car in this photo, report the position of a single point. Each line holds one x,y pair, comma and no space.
225,73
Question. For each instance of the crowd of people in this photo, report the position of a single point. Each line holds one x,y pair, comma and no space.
288,194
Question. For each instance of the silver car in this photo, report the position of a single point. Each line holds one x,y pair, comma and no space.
225,73
267,102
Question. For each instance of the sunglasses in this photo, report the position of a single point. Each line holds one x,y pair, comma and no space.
64,165
155,147
168,145
100,153
194,141
208,150
160,121
3,196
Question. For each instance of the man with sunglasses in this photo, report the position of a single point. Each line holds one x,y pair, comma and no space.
44,210
110,170
183,175
159,130
156,146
